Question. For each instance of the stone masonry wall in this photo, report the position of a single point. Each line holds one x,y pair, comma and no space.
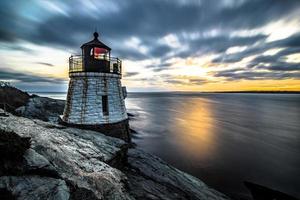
84,101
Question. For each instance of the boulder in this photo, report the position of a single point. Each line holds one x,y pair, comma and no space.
42,108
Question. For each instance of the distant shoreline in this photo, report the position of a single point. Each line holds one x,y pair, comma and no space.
194,92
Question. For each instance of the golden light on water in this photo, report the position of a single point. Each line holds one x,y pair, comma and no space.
195,120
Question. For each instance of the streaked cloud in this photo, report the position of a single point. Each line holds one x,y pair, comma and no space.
197,43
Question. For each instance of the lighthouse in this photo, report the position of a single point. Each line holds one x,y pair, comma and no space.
95,98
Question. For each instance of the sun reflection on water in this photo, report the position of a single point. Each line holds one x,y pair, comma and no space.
196,124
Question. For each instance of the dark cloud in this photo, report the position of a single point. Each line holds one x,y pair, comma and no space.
27,78
278,57
181,82
242,74
280,66
198,81
146,20
159,67
186,81
255,75
291,45
130,74
159,50
44,63
274,66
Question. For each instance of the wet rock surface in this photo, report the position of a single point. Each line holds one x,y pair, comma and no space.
152,178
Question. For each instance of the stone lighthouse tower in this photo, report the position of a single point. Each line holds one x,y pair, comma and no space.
95,98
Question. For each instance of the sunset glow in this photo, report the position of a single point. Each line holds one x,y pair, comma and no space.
204,50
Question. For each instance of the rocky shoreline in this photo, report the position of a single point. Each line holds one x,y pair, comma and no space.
58,162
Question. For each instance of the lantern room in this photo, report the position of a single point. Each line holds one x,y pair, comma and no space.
96,57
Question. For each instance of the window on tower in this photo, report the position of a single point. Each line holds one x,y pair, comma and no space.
99,53
105,105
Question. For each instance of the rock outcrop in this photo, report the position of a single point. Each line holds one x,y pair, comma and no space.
79,157
70,163
152,178
12,98
21,103
42,108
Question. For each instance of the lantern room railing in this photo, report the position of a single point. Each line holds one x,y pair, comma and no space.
76,64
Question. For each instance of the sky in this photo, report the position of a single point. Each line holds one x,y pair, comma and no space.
165,45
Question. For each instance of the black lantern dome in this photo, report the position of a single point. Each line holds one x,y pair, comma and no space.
95,43
95,57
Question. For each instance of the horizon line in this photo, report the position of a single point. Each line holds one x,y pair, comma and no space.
232,91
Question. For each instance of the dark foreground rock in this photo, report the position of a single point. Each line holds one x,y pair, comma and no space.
260,192
70,163
152,178
34,187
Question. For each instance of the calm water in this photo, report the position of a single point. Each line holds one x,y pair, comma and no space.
224,139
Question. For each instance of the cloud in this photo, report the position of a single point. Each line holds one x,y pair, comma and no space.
198,81
27,78
184,80
130,74
291,45
231,75
176,82
146,20
44,63
160,67
264,66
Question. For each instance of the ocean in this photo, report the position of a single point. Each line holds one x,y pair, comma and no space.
222,138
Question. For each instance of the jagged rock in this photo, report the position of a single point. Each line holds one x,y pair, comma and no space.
12,97
260,192
35,163
17,158
42,108
12,149
12,146
78,156
151,178
34,188
31,106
